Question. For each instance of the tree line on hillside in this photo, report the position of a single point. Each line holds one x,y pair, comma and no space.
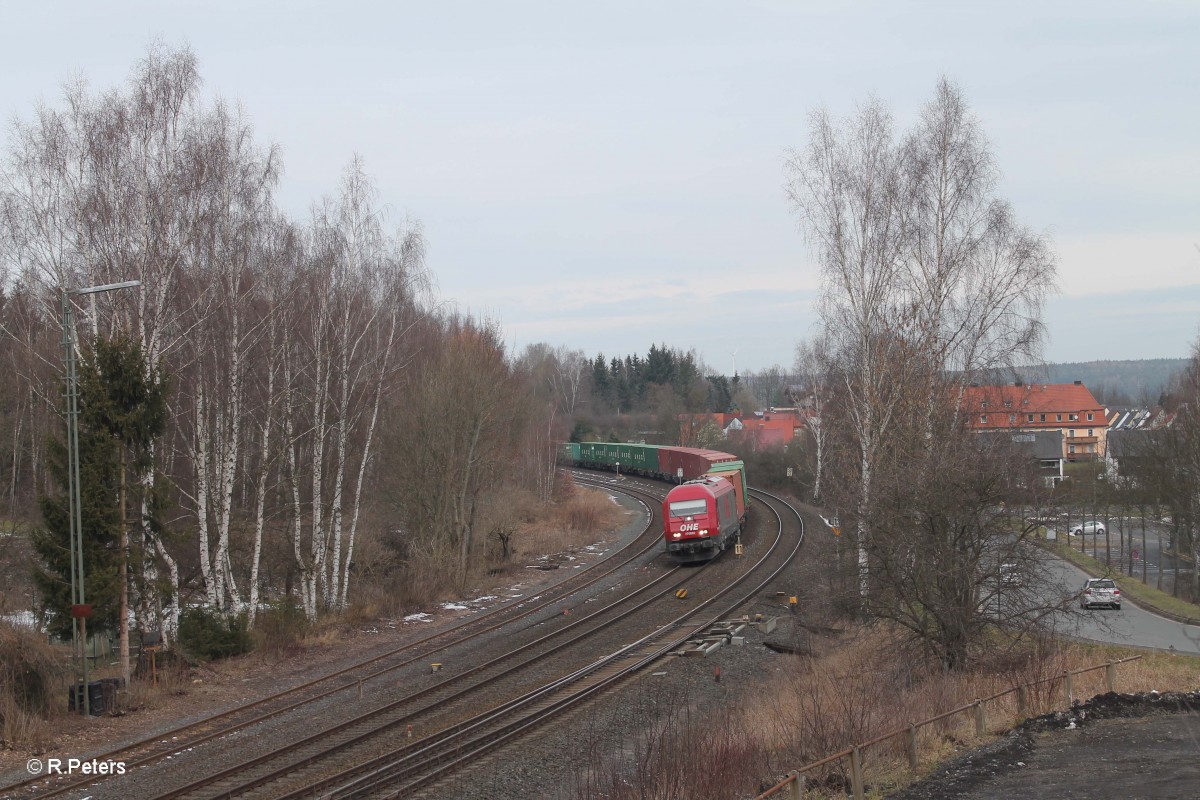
621,397
1118,384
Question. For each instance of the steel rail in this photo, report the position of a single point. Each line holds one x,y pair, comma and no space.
333,740
558,590
540,705
341,728
335,733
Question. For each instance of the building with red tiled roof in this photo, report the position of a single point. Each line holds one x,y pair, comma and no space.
763,429
1066,407
771,429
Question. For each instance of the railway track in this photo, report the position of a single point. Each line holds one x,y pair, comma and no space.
353,678
372,756
461,716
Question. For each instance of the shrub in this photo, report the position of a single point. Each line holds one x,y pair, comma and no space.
281,627
206,633
29,672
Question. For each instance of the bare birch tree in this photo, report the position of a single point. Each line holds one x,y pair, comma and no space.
359,299
928,281
846,189
813,368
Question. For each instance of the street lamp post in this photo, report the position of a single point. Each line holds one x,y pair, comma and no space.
80,611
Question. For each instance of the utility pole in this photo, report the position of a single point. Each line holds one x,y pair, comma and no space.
80,610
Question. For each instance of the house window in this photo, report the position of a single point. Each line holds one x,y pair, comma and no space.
1008,403
1071,433
1072,417
1071,449
1042,418
1029,417
1058,417
1089,417
1091,432
982,421
1091,448
1012,419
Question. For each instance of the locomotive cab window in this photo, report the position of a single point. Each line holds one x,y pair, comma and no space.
688,508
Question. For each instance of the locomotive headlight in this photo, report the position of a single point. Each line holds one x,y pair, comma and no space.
676,534
704,532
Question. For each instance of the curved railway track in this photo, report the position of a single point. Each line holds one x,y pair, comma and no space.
462,716
353,678
369,756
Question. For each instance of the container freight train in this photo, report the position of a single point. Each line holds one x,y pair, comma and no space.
704,514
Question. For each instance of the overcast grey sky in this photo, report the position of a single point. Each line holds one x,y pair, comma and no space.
607,176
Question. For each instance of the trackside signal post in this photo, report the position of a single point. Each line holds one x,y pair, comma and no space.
80,610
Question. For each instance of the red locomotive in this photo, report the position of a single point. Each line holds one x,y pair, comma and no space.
702,517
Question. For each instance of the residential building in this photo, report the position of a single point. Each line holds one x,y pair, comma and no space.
1068,408
1046,447
774,427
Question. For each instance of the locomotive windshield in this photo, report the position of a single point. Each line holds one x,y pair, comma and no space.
688,508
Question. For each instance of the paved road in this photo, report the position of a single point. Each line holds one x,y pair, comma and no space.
1131,625
1123,551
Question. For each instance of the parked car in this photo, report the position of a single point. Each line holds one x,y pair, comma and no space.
1100,592
1010,575
1089,528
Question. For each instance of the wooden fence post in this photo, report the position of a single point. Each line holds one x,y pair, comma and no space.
1067,691
910,741
1021,701
856,778
980,719
797,787
1110,676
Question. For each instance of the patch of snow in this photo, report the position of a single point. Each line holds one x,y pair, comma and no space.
21,619
454,607
420,617
485,598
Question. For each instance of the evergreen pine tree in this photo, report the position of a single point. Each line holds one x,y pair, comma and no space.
122,410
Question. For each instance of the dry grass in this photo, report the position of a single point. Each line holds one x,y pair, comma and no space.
854,690
577,520
170,679
31,672
859,691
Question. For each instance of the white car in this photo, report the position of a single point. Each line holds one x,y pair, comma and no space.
1100,592
1089,528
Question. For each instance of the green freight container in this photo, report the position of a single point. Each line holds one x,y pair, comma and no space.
569,454
637,458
